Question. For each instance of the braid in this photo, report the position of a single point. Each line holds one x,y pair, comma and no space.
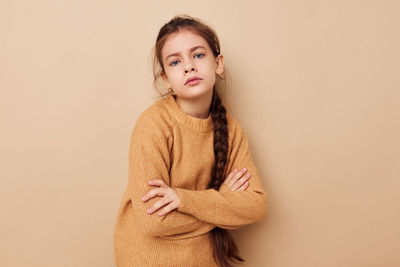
225,244
220,122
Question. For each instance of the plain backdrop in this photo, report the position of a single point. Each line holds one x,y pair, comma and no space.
315,84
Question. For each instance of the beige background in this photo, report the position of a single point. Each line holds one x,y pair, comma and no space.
314,83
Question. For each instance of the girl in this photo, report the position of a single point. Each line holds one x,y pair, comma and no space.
187,185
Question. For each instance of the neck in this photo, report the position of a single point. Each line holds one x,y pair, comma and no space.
198,107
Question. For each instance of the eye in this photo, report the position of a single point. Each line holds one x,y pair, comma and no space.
200,54
172,63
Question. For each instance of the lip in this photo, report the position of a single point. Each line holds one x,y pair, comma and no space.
192,79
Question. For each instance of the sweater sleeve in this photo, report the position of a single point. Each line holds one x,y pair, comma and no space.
149,159
226,208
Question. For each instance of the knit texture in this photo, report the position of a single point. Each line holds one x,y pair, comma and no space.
169,144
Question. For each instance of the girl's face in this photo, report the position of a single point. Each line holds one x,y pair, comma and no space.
185,50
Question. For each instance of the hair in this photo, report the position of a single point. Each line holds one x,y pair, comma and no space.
224,247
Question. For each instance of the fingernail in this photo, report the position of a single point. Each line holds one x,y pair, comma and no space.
244,169
142,198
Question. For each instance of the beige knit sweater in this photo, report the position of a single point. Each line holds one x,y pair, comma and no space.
169,144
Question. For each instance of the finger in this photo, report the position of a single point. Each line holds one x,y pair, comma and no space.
236,176
152,193
244,186
167,209
229,176
156,182
231,180
241,181
159,204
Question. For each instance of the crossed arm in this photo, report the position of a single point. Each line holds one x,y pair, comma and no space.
199,211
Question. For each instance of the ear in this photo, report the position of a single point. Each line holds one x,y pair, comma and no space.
165,80
219,64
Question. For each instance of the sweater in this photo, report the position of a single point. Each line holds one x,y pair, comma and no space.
169,144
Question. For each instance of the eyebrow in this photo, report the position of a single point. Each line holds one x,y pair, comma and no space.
178,53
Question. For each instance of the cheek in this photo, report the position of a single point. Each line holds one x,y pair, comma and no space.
207,67
210,79
173,76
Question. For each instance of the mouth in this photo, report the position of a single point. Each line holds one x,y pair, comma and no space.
193,80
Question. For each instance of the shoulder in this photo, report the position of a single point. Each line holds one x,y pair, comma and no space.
233,122
235,130
155,119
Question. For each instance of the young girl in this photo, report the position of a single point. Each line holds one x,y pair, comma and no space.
187,178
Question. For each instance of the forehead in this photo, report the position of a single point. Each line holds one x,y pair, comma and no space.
182,41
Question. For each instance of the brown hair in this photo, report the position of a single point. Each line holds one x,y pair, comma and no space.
224,247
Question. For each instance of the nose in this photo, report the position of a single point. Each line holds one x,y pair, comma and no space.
186,71
189,66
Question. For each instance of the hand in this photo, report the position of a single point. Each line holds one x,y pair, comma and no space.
170,197
237,179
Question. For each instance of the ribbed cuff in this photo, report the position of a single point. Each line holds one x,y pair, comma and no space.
184,197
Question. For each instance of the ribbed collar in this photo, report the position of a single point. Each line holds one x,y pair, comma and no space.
198,124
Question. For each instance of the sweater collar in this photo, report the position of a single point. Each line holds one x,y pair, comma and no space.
198,124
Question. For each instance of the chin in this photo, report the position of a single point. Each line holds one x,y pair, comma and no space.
193,92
